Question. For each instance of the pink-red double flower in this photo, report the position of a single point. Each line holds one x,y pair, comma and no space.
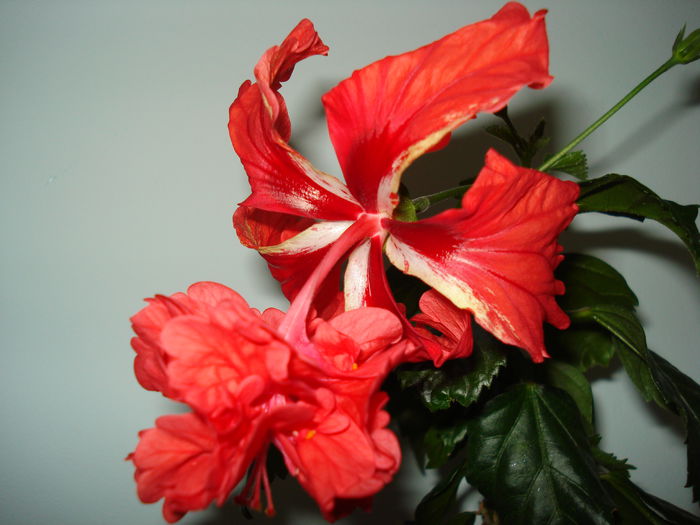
252,383
493,258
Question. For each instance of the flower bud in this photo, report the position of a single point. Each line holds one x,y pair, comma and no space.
686,49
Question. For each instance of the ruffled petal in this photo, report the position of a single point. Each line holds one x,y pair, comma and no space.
343,465
282,180
222,368
179,460
495,257
392,111
454,325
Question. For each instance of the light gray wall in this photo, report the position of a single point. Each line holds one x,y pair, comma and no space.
118,181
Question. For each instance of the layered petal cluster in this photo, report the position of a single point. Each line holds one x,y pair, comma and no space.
249,387
493,258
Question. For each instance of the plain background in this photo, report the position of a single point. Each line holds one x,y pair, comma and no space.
118,181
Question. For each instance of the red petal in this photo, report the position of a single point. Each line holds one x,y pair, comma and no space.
223,372
453,323
291,257
341,469
372,329
390,112
178,460
282,180
496,255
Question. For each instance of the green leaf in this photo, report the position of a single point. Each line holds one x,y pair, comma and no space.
629,506
529,455
573,382
583,345
458,380
435,505
463,518
683,395
640,373
621,322
574,163
526,149
503,133
440,441
613,464
633,352
637,507
590,281
622,195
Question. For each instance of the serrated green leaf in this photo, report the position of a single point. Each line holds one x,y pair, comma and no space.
573,382
458,380
441,440
574,163
435,505
613,464
683,395
528,454
624,196
590,281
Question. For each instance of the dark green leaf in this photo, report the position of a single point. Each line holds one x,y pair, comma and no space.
590,282
622,195
638,370
529,455
503,133
526,149
683,395
441,440
574,163
629,506
637,507
621,322
633,353
435,505
583,345
613,464
458,380
463,518
668,510
573,382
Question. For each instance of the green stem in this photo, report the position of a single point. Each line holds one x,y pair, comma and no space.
423,203
590,129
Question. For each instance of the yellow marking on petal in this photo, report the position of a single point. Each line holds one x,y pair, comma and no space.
310,434
355,366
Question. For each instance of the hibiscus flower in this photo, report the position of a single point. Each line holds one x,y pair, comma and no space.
493,258
255,380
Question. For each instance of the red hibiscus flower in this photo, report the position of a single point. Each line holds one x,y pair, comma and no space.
310,387
493,258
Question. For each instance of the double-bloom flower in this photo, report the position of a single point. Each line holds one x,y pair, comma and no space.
308,381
